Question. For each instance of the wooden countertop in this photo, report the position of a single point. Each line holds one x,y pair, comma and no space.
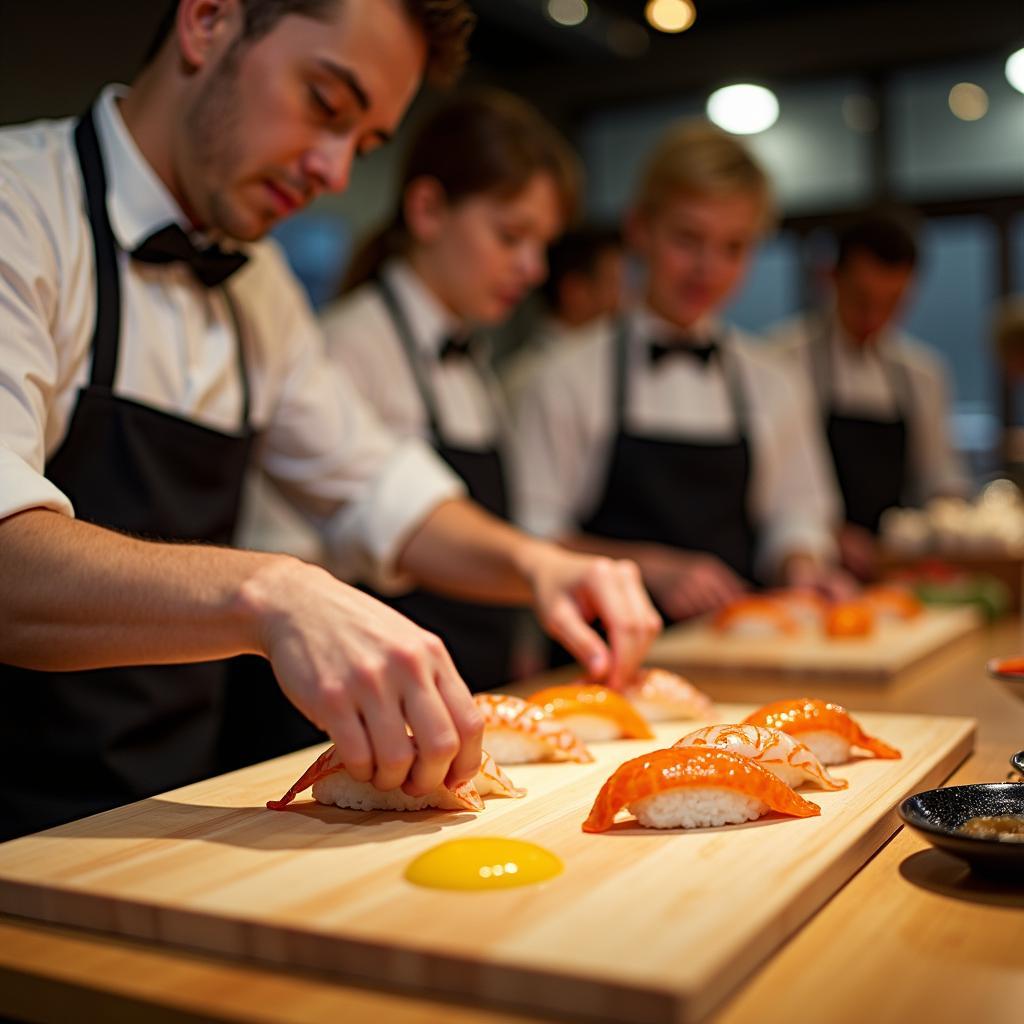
910,936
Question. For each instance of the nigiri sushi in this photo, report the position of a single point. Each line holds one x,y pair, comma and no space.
693,787
756,616
332,784
593,712
826,728
850,618
891,603
518,732
806,607
785,757
662,696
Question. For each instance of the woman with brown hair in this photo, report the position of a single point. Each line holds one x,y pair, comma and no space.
486,186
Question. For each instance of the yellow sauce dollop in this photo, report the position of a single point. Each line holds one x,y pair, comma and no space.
483,863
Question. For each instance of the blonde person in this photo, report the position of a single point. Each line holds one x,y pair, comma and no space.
668,435
486,185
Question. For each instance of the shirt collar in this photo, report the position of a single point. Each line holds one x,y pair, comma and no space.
842,341
429,321
138,202
648,326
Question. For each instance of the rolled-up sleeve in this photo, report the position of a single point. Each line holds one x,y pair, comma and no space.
28,359
364,490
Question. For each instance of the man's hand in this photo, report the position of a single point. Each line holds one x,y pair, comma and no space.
858,552
363,673
571,590
688,583
809,573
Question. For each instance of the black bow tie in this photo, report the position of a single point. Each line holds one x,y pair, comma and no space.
212,265
458,346
661,350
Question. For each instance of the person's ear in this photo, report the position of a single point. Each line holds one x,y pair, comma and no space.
205,28
424,207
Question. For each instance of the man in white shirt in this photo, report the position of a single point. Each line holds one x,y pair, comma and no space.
138,367
585,283
667,437
882,396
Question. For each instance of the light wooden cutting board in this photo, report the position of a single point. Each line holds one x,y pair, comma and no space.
891,649
642,926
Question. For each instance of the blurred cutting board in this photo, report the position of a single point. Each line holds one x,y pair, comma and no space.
642,926
889,650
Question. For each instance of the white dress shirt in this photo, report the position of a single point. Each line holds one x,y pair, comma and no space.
363,342
363,490
863,383
566,420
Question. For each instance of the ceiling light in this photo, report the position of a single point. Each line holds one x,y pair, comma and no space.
743,109
968,101
1015,70
670,15
568,12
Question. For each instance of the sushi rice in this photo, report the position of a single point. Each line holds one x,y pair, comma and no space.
697,808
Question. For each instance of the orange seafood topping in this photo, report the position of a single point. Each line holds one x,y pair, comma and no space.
850,618
756,607
465,794
503,711
808,714
765,746
593,699
1010,666
688,768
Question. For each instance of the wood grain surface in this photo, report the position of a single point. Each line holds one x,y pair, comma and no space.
890,650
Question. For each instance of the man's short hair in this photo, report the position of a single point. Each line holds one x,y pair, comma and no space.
890,236
446,25
577,252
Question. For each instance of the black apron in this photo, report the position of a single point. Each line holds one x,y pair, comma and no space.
869,454
682,494
75,743
691,495
479,637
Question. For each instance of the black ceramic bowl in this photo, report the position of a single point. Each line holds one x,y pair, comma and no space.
937,814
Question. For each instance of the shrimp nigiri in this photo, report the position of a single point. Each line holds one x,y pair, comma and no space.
332,784
756,616
693,787
806,607
662,696
826,728
784,756
593,712
518,732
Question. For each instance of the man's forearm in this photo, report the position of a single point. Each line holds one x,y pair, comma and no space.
463,551
76,596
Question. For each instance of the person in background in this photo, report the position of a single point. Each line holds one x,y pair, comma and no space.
882,396
148,335
585,282
1008,343
668,436
486,185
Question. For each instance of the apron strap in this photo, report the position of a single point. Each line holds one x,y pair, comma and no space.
106,337
405,335
107,330
896,373
620,383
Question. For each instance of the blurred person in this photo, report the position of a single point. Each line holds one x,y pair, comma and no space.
486,186
585,282
667,434
882,396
